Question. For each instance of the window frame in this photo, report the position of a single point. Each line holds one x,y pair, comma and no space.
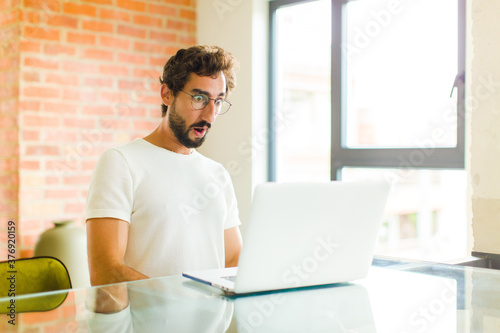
342,156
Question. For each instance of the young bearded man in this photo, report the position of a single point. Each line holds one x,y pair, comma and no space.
155,206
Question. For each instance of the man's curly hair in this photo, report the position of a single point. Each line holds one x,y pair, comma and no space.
201,60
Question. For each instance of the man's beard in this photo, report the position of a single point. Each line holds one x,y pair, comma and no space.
178,126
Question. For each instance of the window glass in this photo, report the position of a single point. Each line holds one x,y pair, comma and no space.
426,212
401,61
302,93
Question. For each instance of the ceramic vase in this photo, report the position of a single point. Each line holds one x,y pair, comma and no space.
69,244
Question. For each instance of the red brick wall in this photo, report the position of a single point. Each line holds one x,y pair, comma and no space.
9,100
88,80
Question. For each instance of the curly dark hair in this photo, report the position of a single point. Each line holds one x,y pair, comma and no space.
201,60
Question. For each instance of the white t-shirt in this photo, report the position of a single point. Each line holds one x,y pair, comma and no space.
178,206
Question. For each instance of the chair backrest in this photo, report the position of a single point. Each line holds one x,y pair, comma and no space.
29,276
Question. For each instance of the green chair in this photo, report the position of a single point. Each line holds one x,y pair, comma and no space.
29,276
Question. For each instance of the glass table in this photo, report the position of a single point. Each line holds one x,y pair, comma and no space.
396,296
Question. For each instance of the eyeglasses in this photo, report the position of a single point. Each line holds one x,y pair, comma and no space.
200,101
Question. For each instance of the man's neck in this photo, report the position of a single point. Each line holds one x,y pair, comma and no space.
163,137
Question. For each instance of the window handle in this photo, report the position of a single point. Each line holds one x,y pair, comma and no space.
459,79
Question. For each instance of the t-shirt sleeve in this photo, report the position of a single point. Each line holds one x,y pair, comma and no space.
111,188
232,216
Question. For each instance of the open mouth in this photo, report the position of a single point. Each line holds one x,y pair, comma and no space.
199,131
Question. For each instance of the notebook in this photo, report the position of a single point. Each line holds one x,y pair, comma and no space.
304,234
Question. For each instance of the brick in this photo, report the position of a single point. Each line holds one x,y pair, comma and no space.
188,14
7,18
8,63
9,92
147,73
29,16
40,317
130,111
181,2
59,135
131,31
78,208
79,123
98,110
26,253
79,9
148,20
132,5
81,38
58,107
78,95
88,166
162,10
43,5
9,150
40,121
68,310
41,150
101,2
134,85
61,194
115,15
29,165
114,70
41,33
79,67
97,26
98,54
158,61
42,92
187,40
64,79
114,97
8,195
114,42
41,63
149,99
149,47
132,58
163,36
57,49
27,105
29,46
8,135
113,124
31,77
63,21
9,107
80,179
181,25
31,135
98,82
145,125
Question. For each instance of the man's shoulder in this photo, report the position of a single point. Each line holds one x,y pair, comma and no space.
209,161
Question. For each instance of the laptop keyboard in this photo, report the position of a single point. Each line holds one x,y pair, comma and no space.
230,278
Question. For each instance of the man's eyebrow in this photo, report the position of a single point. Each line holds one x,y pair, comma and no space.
199,91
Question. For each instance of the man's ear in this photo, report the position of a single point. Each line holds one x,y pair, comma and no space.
167,95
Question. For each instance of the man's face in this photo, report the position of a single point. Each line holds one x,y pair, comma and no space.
189,125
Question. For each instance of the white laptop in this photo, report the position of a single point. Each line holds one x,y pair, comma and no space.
304,234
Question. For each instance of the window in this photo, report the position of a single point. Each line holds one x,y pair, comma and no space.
374,88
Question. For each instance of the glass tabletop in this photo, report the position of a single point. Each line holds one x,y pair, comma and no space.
396,296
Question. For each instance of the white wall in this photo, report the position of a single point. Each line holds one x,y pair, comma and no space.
483,116
240,27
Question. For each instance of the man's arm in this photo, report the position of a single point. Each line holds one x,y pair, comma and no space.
232,246
106,244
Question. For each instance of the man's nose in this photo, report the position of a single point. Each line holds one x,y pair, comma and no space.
210,112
